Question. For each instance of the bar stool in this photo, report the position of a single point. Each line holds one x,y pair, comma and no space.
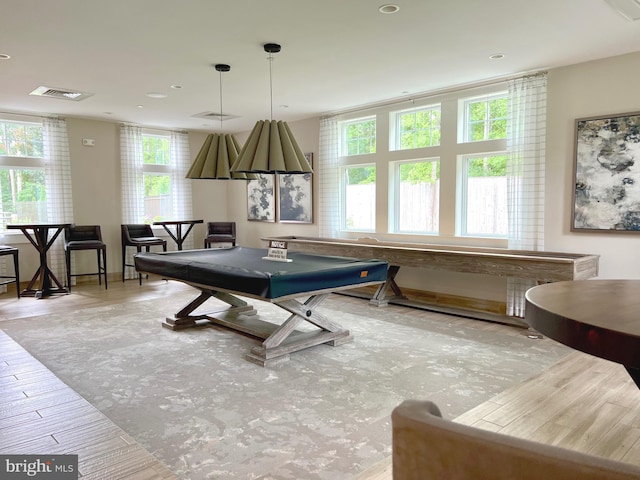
6,279
139,236
220,232
85,237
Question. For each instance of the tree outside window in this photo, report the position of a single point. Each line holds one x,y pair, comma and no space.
418,128
487,119
359,137
22,177
158,203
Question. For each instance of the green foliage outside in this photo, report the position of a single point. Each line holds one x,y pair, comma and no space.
155,150
19,185
495,166
420,172
361,175
155,185
420,129
487,120
361,137
21,140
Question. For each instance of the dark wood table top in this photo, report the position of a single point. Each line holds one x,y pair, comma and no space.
23,226
178,222
599,317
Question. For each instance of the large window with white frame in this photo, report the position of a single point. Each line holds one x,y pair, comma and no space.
442,173
417,196
484,195
157,177
22,175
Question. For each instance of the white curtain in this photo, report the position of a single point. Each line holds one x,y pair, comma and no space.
181,186
526,139
131,162
329,197
57,168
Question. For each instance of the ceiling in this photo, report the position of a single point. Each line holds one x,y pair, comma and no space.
336,54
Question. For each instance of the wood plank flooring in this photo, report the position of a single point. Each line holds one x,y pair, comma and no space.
582,403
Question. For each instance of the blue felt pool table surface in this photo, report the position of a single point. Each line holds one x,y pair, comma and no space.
244,270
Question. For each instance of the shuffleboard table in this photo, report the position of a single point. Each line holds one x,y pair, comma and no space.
227,274
543,267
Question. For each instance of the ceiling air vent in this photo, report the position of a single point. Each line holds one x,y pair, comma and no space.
215,116
60,93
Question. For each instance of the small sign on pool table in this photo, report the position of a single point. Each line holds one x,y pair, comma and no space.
277,251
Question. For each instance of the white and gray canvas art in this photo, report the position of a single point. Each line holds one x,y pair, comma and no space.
261,199
607,183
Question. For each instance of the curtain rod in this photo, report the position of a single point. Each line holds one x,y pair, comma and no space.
146,127
32,115
435,93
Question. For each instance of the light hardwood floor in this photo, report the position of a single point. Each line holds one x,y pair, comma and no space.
583,403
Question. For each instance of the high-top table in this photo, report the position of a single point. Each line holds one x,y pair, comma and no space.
39,236
598,317
179,238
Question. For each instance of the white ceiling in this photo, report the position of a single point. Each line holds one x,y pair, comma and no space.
336,54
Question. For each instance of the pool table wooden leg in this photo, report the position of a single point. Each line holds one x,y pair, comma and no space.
286,339
184,318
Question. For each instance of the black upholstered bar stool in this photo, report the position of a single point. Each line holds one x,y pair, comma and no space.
85,237
139,236
6,279
220,232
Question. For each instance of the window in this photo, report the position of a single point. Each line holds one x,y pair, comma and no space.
485,118
417,196
22,175
158,203
417,128
153,165
359,137
360,198
484,208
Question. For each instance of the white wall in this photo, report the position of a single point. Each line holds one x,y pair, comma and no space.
590,89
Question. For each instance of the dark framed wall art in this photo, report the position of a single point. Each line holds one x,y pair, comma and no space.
295,194
261,199
606,196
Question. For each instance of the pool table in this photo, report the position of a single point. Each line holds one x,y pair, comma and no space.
227,274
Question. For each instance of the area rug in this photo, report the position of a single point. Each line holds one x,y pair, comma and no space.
191,398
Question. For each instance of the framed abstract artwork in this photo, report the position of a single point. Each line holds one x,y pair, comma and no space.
295,194
606,195
261,199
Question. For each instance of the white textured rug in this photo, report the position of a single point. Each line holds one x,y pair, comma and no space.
192,399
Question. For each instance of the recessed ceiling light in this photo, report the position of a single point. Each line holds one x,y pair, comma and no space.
497,56
389,8
4,56
156,95
176,87
140,106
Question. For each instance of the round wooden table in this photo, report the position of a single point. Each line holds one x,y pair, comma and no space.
598,317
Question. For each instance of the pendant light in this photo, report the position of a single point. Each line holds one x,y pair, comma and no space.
271,147
218,152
